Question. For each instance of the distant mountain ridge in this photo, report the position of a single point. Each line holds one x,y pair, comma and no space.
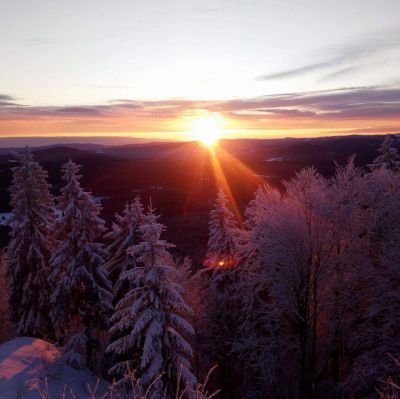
77,141
94,143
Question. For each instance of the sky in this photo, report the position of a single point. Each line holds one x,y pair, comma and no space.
151,69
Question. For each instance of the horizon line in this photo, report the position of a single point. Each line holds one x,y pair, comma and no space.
139,140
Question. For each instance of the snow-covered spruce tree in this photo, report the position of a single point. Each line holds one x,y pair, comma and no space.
222,275
151,319
30,247
82,296
224,235
389,158
124,234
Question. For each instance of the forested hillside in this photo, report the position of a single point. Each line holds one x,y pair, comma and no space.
296,295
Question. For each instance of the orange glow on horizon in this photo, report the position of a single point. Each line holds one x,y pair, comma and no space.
190,124
301,115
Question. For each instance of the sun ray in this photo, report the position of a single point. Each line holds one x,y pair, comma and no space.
222,182
220,157
242,168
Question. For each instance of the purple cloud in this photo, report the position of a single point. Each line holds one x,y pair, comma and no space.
346,103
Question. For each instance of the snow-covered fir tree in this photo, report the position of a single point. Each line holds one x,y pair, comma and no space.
221,278
124,234
151,319
82,291
30,247
224,235
389,158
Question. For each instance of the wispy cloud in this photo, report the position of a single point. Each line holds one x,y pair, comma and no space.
6,100
109,86
339,61
290,73
341,72
333,103
5,97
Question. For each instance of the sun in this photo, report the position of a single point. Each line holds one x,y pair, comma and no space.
207,130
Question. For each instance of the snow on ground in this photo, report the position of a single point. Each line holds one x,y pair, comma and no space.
27,363
276,159
5,217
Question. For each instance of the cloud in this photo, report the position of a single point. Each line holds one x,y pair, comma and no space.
341,72
372,103
344,59
340,102
357,108
5,97
122,108
321,102
87,111
290,73
6,100
366,47
109,86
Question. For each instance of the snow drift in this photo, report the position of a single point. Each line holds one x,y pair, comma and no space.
28,364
